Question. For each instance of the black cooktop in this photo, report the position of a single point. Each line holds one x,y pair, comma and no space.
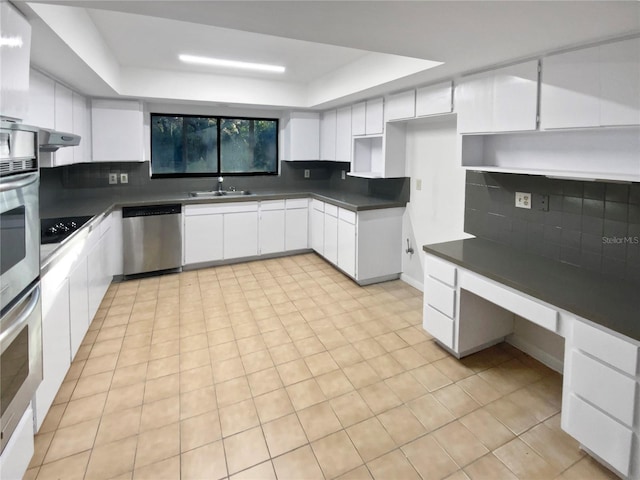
55,230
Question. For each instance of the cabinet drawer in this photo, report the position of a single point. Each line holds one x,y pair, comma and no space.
599,433
201,209
602,386
440,297
331,210
438,325
604,346
511,300
291,203
443,271
317,205
347,215
272,205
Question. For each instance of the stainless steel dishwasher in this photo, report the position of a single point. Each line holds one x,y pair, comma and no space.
152,238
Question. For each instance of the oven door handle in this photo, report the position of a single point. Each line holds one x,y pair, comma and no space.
22,317
19,181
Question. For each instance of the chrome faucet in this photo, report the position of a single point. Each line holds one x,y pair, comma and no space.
220,180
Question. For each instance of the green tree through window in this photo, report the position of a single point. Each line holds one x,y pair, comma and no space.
187,145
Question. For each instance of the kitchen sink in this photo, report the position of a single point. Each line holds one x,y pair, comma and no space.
220,193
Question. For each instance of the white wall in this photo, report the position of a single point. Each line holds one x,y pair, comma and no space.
436,211
538,342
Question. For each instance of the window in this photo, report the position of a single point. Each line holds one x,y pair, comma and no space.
191,145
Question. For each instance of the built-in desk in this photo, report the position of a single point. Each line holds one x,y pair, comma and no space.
474,287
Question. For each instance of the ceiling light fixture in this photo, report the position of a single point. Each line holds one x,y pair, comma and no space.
219,62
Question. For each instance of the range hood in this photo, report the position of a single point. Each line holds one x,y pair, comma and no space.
51,140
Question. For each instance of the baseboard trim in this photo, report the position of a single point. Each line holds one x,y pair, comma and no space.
536,352
412,281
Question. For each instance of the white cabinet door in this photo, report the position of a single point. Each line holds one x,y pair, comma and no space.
80,127
272,228
400,106
620,83
56,348
63,98
79,304
374,116
569,94
296,229
97,276
301,136
117,131
358,118
331,238
347,247
515,97
240,232
474,103
203,238
316,228
434,99
41,101
328,135
14,63
343,135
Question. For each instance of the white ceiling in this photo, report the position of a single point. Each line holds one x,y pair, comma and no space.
152,42
324,39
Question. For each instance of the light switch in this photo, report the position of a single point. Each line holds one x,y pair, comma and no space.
418,184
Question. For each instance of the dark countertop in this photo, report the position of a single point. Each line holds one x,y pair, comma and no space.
103,204
607,301
100,206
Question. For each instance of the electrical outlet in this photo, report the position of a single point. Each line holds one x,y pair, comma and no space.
307,173
124,178
113,178
523,200
343,175
418,184
544,203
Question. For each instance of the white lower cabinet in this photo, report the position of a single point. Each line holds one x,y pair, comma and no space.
79,318
599,403
202,234
347,242
240,231
272,227
19,450
72,290
331,233
56,347
316,226
296,224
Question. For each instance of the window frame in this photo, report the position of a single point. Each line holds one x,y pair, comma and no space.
219,119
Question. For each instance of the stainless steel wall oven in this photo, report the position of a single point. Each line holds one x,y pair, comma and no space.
20,306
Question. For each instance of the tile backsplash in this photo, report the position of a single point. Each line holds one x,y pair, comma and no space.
593,225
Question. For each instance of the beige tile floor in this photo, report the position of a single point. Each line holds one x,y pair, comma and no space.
286,369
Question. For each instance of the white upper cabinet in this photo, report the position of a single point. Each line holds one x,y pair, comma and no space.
620,83
343,135
300,136
592,87
400,106
434,99
328,135
41,101
82,152
570,89
358,118
515,98
63,100
367,118
502,100
117,131
474,103
374,121
14,63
